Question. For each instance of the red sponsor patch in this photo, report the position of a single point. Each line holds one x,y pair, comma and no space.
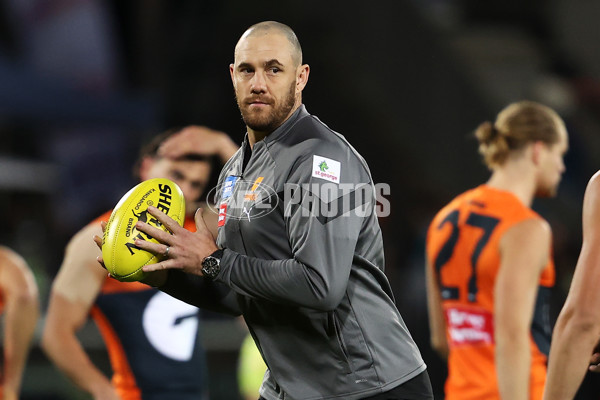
222,214
469,326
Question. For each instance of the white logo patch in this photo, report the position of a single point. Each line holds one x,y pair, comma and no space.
326,168
171,326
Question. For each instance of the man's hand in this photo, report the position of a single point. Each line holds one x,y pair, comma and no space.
184,250
155,279
595,359
198,140
98,241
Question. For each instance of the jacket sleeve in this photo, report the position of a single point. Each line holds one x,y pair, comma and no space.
201,292
323,220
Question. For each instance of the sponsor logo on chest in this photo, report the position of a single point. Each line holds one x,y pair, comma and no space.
469,326
326,168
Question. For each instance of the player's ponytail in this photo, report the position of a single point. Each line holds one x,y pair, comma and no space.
517,125
492,144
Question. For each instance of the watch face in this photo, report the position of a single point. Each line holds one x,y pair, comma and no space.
210,266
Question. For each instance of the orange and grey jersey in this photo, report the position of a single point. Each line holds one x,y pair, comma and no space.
303,262
152,341
463,250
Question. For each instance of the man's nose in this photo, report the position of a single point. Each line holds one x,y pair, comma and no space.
258,83
189,192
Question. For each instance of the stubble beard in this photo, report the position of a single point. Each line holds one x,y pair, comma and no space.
259,122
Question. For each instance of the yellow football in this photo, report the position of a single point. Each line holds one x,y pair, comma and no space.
122,258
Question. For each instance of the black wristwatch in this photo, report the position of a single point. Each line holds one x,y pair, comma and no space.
211,265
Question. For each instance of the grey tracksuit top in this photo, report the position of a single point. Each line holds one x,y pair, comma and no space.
303,263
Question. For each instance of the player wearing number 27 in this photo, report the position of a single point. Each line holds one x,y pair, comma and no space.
489,262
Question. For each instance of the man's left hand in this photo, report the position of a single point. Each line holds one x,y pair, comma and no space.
182,249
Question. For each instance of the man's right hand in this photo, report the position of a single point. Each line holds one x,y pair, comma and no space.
154,279
595,359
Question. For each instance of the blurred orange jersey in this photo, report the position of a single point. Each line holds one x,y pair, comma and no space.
463,249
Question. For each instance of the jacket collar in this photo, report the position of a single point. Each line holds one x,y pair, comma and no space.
283,128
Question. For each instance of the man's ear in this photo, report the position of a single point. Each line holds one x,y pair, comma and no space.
302,77
537,151
231,73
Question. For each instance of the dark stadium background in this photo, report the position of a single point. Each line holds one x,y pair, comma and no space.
83,82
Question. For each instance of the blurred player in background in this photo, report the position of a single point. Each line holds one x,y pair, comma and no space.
489,262
577,329
19,302
151,338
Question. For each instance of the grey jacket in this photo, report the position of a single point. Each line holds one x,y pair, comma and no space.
303,263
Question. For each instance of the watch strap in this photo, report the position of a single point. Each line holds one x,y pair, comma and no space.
218,253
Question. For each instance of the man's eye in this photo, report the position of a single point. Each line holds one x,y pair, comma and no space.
274,70
176,175
198,185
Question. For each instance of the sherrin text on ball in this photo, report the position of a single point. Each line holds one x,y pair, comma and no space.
122,258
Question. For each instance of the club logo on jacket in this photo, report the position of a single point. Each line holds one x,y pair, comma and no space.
242,199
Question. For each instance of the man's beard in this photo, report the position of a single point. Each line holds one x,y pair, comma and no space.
273,120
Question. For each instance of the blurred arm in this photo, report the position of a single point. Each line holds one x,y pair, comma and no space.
578,326
74,291
21,314
437,322
199,140
200,292
211,219
515,294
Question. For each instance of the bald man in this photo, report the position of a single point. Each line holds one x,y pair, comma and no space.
299,251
